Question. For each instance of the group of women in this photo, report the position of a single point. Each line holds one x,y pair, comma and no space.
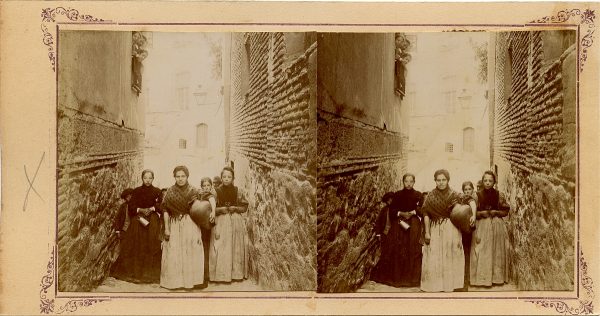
160,243
422,247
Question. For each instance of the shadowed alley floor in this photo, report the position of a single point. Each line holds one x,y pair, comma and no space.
112,285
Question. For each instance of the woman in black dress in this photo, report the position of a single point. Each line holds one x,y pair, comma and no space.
407,267
140,261
400,261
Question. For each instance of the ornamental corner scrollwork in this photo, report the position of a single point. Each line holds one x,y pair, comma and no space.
587,18
50,16
48,304
584,305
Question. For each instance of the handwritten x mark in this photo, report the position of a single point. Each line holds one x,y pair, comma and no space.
31,183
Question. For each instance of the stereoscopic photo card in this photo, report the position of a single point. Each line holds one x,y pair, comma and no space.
298,158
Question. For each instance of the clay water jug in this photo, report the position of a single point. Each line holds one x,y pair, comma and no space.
460,216
200,214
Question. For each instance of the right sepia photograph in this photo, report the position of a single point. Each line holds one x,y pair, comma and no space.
447,161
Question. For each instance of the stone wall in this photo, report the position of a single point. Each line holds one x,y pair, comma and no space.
272,126
100,139
361,153
534,153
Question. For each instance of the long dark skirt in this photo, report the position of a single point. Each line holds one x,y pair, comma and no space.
140,255
400,261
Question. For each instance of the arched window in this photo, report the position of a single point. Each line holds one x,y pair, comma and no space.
201,135
468,139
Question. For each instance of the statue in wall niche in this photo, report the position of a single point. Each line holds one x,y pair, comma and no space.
402,57
139,53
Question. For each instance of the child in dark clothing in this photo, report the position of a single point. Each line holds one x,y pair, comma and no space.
122,220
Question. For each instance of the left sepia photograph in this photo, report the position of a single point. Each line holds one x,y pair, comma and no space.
186,161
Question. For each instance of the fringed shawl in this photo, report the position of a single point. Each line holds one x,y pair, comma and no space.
439,204
178,199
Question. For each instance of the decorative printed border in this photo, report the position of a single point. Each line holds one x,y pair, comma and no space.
47,304
587,19
586,305
49,16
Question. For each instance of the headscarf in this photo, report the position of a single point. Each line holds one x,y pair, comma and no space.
178,199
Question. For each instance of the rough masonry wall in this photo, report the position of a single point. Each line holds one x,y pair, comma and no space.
350,188
99,152
534,151
358,161
273,149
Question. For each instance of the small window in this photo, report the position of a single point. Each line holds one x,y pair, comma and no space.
201,135
182,144
449,147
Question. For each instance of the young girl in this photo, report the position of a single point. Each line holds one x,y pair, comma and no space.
469,190
382,272
228,253
120,268
207,193
122,220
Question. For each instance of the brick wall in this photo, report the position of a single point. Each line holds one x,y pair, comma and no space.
272,146
361,153
534,152
99,151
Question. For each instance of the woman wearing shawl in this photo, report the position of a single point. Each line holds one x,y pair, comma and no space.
183,254
140,262
489,252
443,257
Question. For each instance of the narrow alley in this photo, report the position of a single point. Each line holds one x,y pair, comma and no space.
467,103
133,106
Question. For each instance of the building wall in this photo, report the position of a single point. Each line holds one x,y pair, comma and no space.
183,62
358,159
100,138
272,148
442,63
534,153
